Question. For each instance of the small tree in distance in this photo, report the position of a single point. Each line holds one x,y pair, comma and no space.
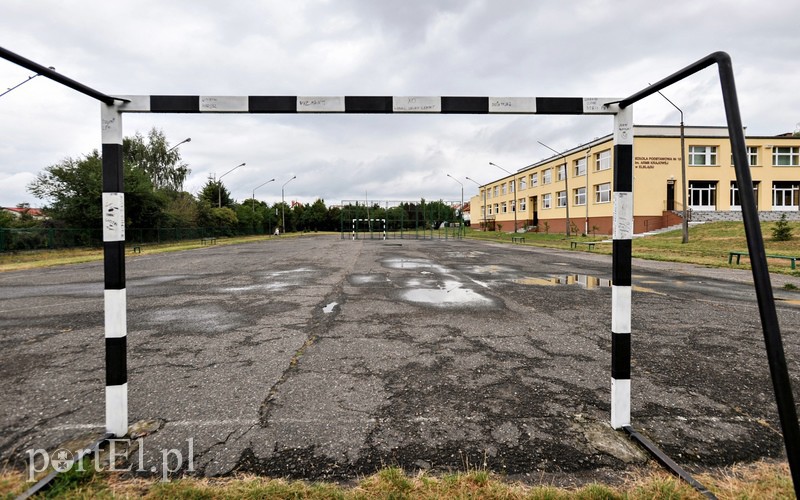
782,231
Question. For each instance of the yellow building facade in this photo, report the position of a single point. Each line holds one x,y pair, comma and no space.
577,185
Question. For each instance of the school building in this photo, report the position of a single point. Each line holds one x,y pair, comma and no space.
579,182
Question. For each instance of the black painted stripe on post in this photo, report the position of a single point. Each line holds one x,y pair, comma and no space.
174,104
116,360
621,262
621,356
623,168
368,104
559,105
465,105
272,104
114,264
113,180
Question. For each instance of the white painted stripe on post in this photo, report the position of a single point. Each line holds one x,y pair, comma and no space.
622,215
417,104
113,217
320,104
623,127
620,403
620,309
224,104
512,105
135,104
116,315
111,124
597,105
117,409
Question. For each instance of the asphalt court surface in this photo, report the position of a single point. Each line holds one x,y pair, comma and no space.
317,357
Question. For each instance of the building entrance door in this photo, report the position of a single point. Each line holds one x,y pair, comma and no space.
535,208
670,195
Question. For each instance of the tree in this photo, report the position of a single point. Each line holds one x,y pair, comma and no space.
162,165
215,193
74,189
782,231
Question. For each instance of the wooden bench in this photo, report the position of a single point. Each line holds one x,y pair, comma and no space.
574,244
517,239
739,255
209,240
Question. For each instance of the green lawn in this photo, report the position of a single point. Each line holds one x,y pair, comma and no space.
708,244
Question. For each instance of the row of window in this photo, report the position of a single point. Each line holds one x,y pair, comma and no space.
602,161
699,156
703,195
706,156
602,194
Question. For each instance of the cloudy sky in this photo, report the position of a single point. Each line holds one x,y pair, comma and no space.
585,48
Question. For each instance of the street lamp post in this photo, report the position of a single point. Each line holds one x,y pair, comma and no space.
685,223
254,193
514,203
484,202
566,181
23,82
586,222
219,184
283,204
188,139
461,212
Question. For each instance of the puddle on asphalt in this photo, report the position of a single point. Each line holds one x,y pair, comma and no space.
366,279
583,280
329,308
412,264
450,294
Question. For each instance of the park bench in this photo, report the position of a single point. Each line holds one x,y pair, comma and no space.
517,239
739,255
137,247
574,244
208,240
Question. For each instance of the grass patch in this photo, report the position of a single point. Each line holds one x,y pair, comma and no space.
32,259
708,244
759,480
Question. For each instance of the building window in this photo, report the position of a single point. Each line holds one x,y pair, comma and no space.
561,172
752,156
534,180
522,205
511,187
547,176
602,193
483,212
580,196
505,207
561,199
580,167
602,160
702,156
736,202
522,185
703,195
786,156
496,192
496,208
785,195
547,201
513,205
503,188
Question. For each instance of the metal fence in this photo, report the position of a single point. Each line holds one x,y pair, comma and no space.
381,219
21,239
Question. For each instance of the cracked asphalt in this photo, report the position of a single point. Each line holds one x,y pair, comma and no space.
321,358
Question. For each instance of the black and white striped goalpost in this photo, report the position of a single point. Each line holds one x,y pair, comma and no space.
621,269
114,270
114,207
